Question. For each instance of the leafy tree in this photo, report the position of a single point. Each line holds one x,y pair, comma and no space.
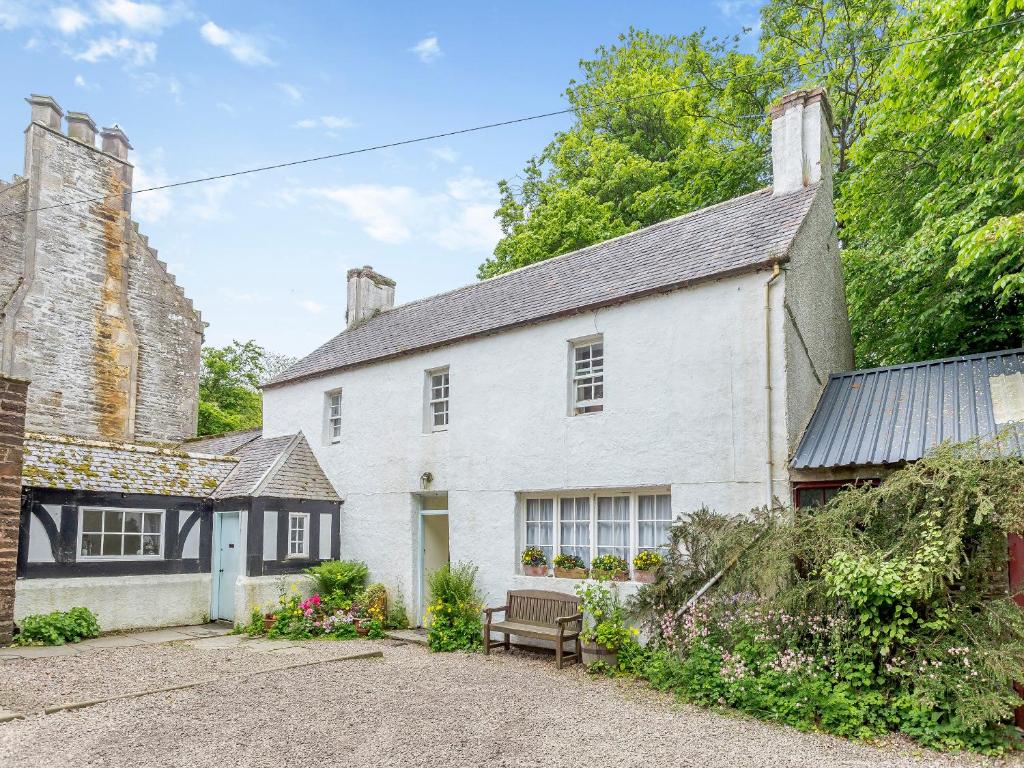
933,213
840,44
628,162
229,395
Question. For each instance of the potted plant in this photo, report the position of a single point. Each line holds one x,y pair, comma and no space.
604,626
645,564
269,620
570,566
610,567
535,562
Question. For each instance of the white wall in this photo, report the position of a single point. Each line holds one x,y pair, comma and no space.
120,602
684,408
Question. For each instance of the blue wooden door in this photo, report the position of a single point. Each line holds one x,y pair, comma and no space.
227,564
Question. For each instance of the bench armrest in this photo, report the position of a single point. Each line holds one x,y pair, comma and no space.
562,621
498,609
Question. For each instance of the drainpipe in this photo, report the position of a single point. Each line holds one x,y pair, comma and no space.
770,468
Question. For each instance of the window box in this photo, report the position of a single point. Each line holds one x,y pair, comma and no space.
570,573
643,577
535,570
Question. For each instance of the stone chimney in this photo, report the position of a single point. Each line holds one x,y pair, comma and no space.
369,294
801,140
46,111
115,142
82,128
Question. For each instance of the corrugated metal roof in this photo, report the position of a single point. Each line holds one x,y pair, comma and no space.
896,414
741,234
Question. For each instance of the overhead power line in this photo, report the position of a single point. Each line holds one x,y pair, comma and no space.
513,121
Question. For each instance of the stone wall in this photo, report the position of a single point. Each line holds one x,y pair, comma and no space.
12,436
89,314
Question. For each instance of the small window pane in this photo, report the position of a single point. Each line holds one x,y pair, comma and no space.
92,521
112,521
133,522
132,544
654,519
112,544
574,527
613,526
151,545
152,524
91,543
540,527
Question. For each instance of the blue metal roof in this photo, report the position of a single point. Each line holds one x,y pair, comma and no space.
896,414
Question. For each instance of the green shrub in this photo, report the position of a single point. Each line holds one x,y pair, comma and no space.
454,615
57,628
339,580
874,613
397,617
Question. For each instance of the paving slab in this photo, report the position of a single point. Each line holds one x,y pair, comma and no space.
205,630
160,636
110,641
419,637
216,642
37,652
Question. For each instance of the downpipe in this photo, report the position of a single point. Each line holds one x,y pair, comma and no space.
769,462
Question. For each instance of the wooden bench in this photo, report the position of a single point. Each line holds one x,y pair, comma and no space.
540,614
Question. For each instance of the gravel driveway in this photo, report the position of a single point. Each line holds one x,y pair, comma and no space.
411,708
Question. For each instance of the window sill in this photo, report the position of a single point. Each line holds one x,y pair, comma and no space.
116,558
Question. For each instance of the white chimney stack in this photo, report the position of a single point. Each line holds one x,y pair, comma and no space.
369,294
801,140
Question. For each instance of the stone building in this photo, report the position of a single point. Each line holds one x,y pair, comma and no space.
119,513
88,313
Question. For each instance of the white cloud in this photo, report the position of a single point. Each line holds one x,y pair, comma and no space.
459,218
80,82
313,307
244,48
427,49
207,200
141,17
150,207
293,92
136,52
447,154
329,122
69,20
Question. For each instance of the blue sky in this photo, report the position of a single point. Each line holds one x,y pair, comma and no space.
205,88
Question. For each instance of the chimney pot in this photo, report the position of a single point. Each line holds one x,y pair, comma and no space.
82,128
369,293
115,142
801,140
46,111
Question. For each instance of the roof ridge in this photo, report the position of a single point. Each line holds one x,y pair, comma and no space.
124,446
936,361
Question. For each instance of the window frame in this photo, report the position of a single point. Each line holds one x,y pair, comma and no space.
430,401
304,555
332,419
827,485
596,378
557,497
123,558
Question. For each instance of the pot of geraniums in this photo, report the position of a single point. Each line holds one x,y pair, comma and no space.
535,562
609,567
570,566
604,625
645,564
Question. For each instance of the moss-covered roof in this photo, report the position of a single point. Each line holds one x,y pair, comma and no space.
57,461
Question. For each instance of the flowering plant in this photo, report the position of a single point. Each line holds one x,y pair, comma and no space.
647,560
563,560
609,564
604,621
534,556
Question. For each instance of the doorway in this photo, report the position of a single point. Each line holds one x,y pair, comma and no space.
225,566
434,552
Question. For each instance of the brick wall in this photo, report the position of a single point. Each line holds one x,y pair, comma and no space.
13,395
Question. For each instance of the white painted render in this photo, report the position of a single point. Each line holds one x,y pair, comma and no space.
120,602
684,409
262,592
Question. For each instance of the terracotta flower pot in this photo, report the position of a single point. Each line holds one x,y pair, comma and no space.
643,577
362,627
570,573
535,570
592,652
269,620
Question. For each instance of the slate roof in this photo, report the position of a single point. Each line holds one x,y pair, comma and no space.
283,467
224,443
896,414
90,465
739,235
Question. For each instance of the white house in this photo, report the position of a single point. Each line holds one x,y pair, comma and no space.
581,402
